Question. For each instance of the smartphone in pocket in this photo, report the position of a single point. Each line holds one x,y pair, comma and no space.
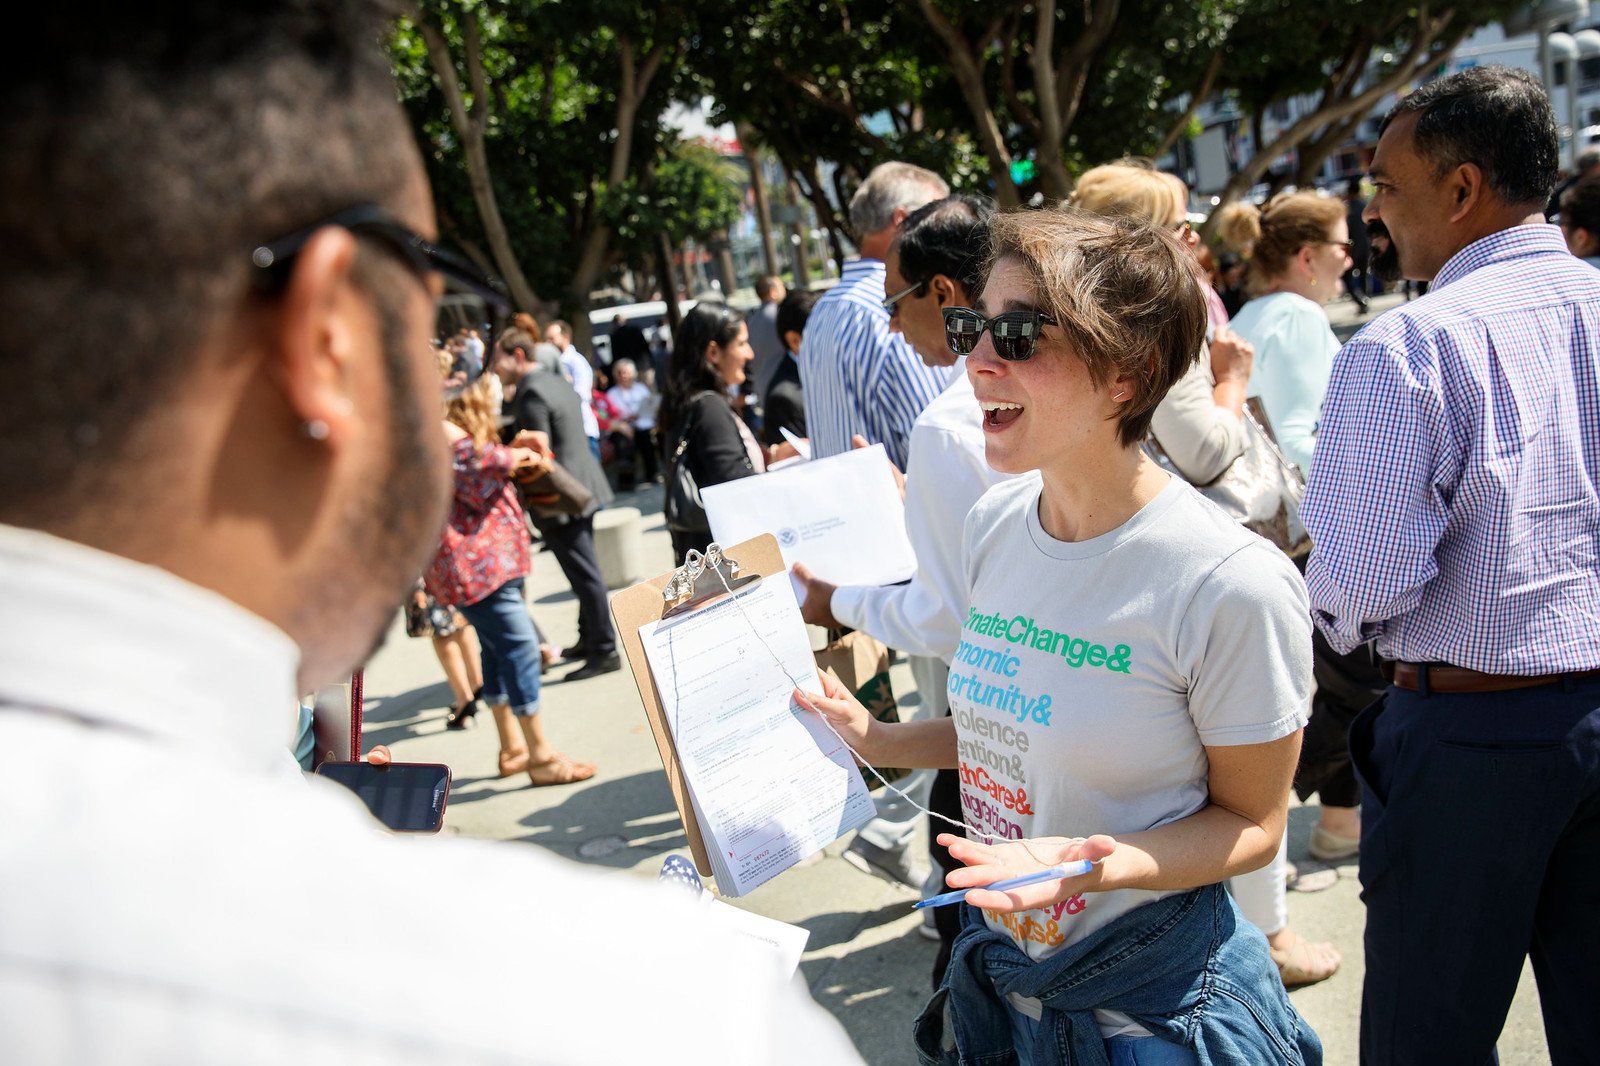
408,797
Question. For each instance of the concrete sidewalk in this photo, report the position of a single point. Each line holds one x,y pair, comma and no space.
865,961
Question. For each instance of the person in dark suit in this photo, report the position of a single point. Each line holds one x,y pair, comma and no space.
544,402
628,342
784,405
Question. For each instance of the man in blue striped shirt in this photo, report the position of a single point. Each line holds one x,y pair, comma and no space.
857,376
1454,500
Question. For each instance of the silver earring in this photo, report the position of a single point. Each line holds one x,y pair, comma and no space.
314,429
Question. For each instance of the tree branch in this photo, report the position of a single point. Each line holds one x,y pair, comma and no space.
472,43
966,68
1044,74
817,95
444,67
1196,98
1008,80
1417,59
1072,73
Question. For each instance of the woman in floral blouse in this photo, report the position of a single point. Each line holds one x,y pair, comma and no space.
482,560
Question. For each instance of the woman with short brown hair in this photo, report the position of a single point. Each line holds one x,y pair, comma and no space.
1129,689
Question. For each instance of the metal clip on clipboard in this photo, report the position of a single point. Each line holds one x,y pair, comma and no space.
702,577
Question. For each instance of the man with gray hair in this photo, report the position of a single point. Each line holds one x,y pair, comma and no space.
858,377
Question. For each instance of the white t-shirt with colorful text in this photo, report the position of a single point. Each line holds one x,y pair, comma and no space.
1091,676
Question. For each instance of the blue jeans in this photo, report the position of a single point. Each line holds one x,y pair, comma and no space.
1121,1050
510,648
1480,846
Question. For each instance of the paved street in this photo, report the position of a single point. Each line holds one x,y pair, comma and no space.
865,961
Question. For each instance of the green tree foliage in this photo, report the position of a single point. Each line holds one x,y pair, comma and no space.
692,194
842,82
1011,97
573,137
1349,54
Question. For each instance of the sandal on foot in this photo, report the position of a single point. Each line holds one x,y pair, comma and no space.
1331,847
1305,963
559,770
511,766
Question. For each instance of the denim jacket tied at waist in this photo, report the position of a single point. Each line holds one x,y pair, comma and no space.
1187,967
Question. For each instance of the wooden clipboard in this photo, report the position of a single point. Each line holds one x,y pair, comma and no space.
643,603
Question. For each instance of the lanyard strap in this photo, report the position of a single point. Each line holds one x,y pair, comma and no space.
355,715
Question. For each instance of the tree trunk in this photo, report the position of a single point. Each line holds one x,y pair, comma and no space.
669,287
1196,98
470,128
686,269
1417,59
722,257
965,68
796,239
798,257
1054,181
1316,153
1060,88
758,191
597,241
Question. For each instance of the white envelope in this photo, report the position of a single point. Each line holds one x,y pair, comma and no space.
842,516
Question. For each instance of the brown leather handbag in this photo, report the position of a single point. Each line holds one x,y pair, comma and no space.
548,489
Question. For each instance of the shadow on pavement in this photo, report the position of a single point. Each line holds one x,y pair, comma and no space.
869,992
391,709
612,822
841,927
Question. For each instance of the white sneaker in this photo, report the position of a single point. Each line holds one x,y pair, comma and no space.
926,928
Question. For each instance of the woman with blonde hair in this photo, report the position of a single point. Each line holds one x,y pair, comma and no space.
479,569
1298,249
1129,690
1200,422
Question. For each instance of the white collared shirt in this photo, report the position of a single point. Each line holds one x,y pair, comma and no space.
576,369
946,476
170,893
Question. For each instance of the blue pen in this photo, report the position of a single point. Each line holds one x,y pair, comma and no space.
1055,873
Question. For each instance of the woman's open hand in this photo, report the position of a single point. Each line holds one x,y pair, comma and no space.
988,863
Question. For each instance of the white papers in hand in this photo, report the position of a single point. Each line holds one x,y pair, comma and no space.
842,516
771,783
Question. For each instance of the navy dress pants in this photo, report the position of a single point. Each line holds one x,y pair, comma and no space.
572,543
1480,846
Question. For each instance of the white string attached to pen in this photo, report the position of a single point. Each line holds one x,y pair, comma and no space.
969,830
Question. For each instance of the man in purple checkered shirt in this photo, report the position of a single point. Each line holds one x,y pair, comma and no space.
1453,501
